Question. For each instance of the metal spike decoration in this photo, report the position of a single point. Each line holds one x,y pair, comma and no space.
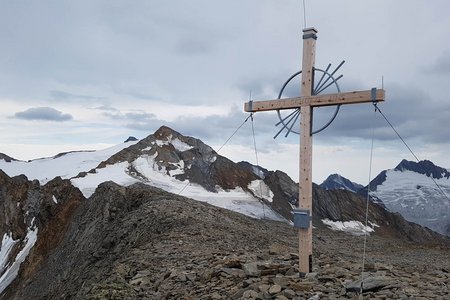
326,80
293,115
318,88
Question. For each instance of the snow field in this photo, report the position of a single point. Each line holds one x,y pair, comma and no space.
352,227
65,166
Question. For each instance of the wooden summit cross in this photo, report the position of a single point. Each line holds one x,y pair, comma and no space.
306,102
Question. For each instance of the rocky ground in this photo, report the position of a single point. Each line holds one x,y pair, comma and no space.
143,243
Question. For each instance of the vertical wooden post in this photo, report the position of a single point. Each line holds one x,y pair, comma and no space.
305,185
303,216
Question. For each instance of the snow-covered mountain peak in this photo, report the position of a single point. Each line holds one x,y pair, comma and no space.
415,189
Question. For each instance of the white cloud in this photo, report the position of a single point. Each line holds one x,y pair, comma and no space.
43,114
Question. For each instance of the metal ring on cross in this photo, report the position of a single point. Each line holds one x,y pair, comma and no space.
326,80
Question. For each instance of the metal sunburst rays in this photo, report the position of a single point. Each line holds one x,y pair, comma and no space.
326,80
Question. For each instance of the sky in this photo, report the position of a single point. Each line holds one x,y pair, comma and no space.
77,75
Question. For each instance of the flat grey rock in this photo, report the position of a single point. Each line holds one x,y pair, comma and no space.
371,283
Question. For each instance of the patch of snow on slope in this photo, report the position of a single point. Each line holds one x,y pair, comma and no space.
258,172
373,224
179,168
352,227
7,245
66,166
180,146
154,174
55,200
12,271
160,143
258,187
116,173
236,200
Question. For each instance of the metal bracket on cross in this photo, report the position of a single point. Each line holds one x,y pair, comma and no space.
302,218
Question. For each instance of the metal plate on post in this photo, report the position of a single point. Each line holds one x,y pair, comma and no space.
302,218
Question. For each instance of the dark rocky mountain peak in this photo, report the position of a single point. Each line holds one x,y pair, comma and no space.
130,139
425,167
164,132
338,182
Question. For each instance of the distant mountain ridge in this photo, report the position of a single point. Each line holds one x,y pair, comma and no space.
424,167
42,211
7,158
185,165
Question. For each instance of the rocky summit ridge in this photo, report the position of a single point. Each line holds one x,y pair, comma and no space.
140,242
83,237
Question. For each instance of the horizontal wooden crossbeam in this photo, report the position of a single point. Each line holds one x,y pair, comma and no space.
316,100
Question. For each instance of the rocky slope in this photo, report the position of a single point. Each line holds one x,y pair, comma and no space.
33,220
345,206
140,242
